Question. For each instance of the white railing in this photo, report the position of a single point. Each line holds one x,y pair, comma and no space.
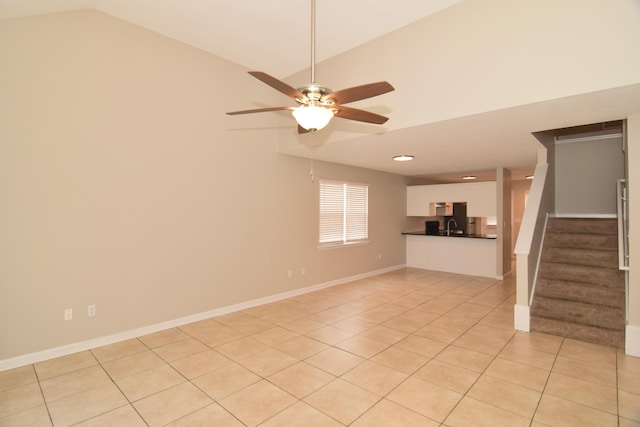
623,226
529,244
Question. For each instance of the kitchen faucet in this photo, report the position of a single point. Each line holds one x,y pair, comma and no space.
455,224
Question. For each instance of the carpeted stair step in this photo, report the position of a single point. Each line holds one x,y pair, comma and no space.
573,240
581,292
579,256
592,334
578,312
582,225
580,273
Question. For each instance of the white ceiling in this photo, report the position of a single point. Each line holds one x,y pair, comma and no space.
271,35
251,33
472,145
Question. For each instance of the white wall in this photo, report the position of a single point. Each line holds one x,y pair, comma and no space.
481,197
481,56
125,185
633,178
586,175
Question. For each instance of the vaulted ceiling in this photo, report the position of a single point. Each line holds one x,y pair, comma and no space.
271,35
274,36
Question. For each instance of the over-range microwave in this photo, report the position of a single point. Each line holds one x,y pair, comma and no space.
442,208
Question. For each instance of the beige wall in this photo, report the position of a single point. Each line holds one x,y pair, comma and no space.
124,185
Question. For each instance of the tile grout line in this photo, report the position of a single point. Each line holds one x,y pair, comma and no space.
555,359
389,296
485,369
342,375
129,403
44,400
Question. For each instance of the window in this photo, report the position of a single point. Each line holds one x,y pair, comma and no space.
344,213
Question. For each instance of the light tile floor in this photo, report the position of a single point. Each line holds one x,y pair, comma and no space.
406,348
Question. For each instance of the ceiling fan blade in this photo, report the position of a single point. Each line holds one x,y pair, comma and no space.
356,93
278,85
360,115
260,110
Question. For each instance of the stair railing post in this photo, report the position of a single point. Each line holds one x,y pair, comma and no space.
623,234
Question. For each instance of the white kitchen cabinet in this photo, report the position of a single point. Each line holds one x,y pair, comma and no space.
418,201
481,197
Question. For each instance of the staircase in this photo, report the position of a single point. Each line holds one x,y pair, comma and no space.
580,291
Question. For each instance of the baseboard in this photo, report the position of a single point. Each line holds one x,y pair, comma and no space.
632,341
65,350
505,275
521,317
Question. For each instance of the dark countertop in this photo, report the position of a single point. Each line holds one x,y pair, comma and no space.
444,234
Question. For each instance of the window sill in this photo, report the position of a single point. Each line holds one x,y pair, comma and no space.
335,245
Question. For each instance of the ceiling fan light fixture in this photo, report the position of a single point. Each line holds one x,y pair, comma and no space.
403,158
313,117
318,104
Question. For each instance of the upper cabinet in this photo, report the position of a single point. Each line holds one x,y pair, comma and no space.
481,197
418,201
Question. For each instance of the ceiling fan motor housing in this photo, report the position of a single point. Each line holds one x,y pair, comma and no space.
315,94
318,104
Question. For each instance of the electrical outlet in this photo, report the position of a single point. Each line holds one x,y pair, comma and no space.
68,314
290,273
303,271
91,310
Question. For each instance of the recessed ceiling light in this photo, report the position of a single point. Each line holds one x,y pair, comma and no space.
403,158
529,176
469,177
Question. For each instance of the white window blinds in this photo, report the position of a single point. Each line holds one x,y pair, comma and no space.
344,212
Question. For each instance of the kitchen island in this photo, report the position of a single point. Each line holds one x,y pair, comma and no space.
473,254
454,233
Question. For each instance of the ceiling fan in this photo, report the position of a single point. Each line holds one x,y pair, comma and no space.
318,104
